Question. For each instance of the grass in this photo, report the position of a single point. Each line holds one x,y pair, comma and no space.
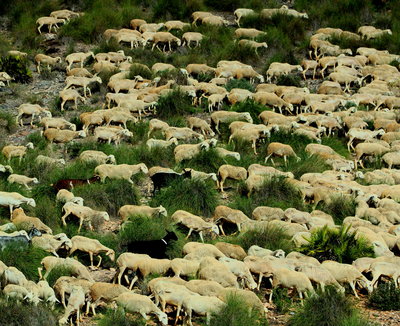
118,317
57,272
385,297
174,104
333,308
339,245
339,208
192,195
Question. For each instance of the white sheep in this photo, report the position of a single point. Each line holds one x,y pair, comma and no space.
119,171
201,305
160,143
12,275
111,134
47,60
182,134
189,151
129,210
227,171
214,270
22,180
83,213
225,153
50,22
241,270
130,261
97,156
104,291
82,82
78,57
194,223
242,12
189,37
164,37
62,136
65,284
14,199
52,243
19,292
230,215
184,267
75,303
65,196
31,110
57,123
4,77
227,116
71,95
23,221
92,247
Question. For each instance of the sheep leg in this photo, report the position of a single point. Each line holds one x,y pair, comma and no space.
100,258
178,311
260,276
254,146
190,232
270,296
201,236
353,287
133,282
91,258
80,225
222,230
266,159
32,117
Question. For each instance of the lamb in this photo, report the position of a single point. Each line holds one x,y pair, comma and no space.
14,199
201,124
71,95
280,150
194,223
110,134
92,247
119,171
62,136
242,12
78,57
22,180
52,243
20,219
189,37
97,156
230,215
136,303
4,77
159,143
57,123
75,303
82,82
232,172
345,273
31,110
164,37
222,152
104,291
65,196
227,116
47,60
83,213
182,134
130,210
189,151
50,22
391,159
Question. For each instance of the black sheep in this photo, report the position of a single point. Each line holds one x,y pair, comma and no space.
153,248
162,179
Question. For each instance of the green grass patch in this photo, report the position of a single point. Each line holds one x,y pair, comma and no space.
176,103
118,317
340,207
385,297
57,272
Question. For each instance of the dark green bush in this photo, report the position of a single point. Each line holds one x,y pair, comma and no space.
236,313
120,318
334,309
206,161
173,104
193,195
17,68
340,207
140,70
7,122
289,80
336,244
282,300
249,106
57,272
239,83
385,297
142,228
14,313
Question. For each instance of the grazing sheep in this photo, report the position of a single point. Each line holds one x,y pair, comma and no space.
129,210
97,156
4,77
46,60
22,180
279,149
82,82
78,57
50,22
201,305
62,136
31,110
230,215
384,268
57,123
189,151
128,260
225,117
119,171
71,95
225,153
194,223
52,243
164,37
253,44
184,267
65,196
189,37
242,12
104,291
92,247
368,149
25,222
14,199
199,250
227,171
159,143
75,303
19,292
83,213
214,270
240,270
11,275
201,124
231,250
249,135
391,159
182,134
111,134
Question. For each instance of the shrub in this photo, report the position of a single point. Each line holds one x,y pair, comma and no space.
16,313
282,300
239,83
17,68
333,308
26,259
7,122
173,104
249,106
385,297
289,80
206,161
336,244
236,313
140,70
223,5
57,272
270,237
142,228
340,207
193,195
120,318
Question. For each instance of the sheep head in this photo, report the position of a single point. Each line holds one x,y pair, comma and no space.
105,216
35,181
111,159
29,145
58,59
81,134
111,254
162,211
31,202
144,168
162,317
215,229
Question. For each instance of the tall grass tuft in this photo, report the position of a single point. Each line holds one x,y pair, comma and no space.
385,297
174,104
118,317
340,207
57,272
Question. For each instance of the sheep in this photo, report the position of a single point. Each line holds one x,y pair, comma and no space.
199,250
128,260
368,149
78,57
273,100
150,27
16,53
65,196
136,23
240,269
345,273
20,219
14,199
199,68
129,210
194,223
188,151
280,150
249,135
4,77
265,213
12,275
64,14
52,243
182,134
391,159
110,134
184,267
77,269
97,156
161,177
309,64
214,270
50,22
344,78
75,303
104,291
370,32
71,183
131,38
47,60
31,110
231,250
200,15
247,33
229,215
22,180
222,152
136,303
202,305
164,37
83,213
120,116
319,275
20,293
384,268
189,37
82,82
201,124
175,24
330,88
253,45
159,143
242,12
259,266
277,69
62,136
225,116
232,172
91,246
200,175
71,95
119,171
57,123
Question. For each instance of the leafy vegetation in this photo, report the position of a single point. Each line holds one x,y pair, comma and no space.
118,317
17,68
385,297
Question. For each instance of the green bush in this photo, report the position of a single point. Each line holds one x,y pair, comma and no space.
239,83
236,313
176,103
14,313
27,259
250,106
333,308
336,244
270,237
223,5
206,161
192,195
140,70
57,272
340,207
385,297
17,68
289,80
7,122
282,300
120,318
142,228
